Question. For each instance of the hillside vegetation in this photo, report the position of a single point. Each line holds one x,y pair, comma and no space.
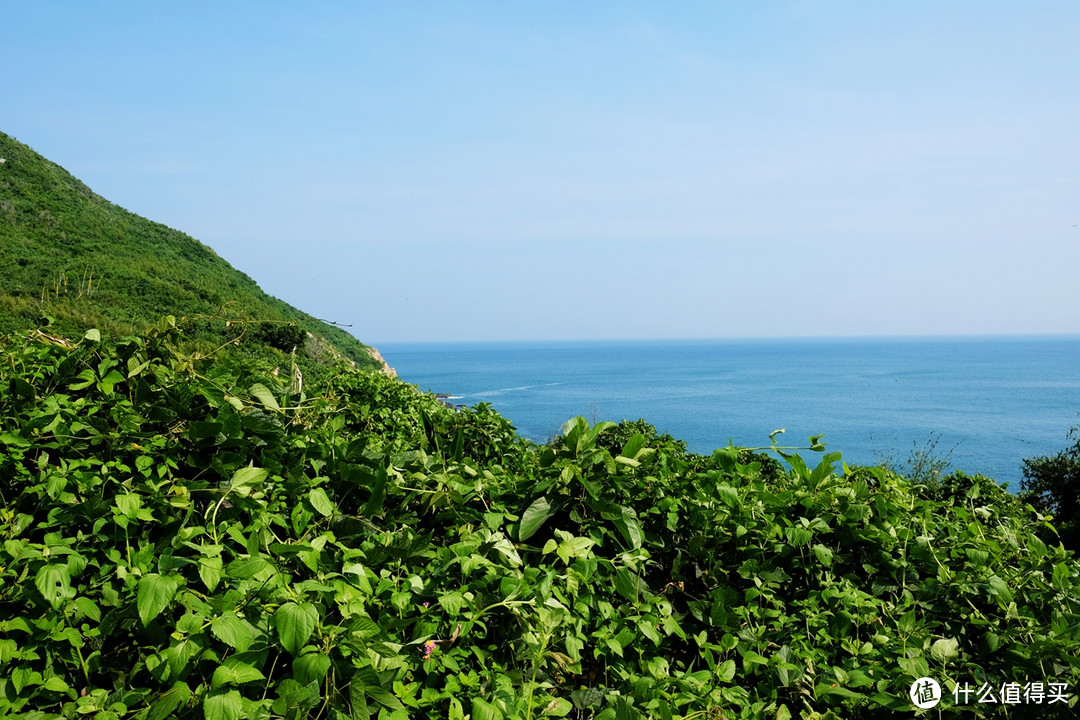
69,254
182,537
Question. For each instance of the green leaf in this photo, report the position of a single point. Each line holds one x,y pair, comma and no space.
633,446
824,555
154,594
915,667
245,568
574,547
624,710
171,701
311,667
649,630
534,518
892,702
825,467
224,706
319,500
128,504
358,707
294,624
374,504
629,585
726,670
245,479
21,387
728,494
559,707
13,440
88,378
945,649
22,677
383,697
504,546
263,394
54,584
109,381
233,631
1060,579
827,689
629,527
753,658
483,710
210,571
452,602
234,672
89,608
1000,588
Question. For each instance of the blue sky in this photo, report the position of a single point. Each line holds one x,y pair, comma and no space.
505,171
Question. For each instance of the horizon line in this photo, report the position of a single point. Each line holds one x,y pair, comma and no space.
749,338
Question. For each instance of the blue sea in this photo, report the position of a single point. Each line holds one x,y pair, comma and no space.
984,403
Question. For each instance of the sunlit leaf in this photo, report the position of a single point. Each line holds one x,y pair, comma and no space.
154,595
263,394
294,624
534,518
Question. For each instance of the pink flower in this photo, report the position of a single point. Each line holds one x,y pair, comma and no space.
429,647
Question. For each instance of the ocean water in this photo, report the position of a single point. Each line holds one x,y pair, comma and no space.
987,402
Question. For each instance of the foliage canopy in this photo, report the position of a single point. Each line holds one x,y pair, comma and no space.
1052,484
182,536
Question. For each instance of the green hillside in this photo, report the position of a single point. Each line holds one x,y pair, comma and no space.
67,253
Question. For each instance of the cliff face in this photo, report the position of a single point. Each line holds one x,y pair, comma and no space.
377,357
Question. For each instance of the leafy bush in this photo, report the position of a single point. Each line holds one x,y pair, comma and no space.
283,336
1052,484
185,537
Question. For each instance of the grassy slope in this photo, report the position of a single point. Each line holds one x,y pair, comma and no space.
69,253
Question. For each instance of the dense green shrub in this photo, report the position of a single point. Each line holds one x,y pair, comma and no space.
1052,484
283,336
191,537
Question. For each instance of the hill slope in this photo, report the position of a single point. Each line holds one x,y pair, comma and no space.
68,253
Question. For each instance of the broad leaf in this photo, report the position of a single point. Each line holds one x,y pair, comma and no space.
154,594
234,672
54,584
534,518
264,396
945,649
233,631
224,706
210,571
245,479
319,500
311,667
294,624
168,703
